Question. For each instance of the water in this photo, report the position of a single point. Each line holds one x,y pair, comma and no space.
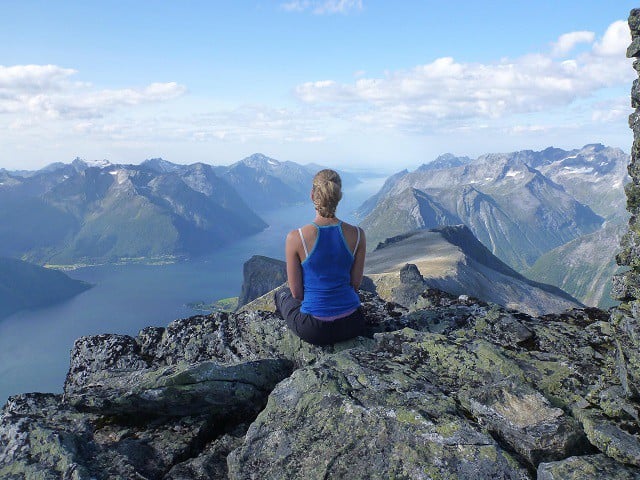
35,345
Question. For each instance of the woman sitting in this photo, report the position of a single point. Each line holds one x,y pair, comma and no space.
325,263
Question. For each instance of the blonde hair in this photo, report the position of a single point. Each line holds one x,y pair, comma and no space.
327,192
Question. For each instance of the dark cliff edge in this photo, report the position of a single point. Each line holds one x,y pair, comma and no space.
260,274
455,389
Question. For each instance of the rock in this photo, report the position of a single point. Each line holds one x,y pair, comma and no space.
92,356
626,319
33,447
222,391
212,462
523,419
261,275
410,273
195,339
609,436
587,467
358,415
47,439
627,334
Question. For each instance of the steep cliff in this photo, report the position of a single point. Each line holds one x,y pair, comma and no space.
626,287
260,274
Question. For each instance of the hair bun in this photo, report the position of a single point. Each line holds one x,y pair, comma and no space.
327,192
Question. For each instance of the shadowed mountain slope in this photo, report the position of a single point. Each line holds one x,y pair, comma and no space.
24,286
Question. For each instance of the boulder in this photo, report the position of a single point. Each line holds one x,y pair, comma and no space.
222,391
360,415
524,419
587,467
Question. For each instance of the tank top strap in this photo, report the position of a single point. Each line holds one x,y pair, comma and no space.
304,244
357,242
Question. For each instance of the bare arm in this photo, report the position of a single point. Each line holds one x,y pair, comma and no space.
294,269
357,270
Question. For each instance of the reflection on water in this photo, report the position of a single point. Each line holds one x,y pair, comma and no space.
35,345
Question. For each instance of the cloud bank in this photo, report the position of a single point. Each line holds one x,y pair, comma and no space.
577,90
51,92
445,91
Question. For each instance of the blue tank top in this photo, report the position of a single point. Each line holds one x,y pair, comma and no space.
326,275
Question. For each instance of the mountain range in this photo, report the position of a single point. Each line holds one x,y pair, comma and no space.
99,212
520,205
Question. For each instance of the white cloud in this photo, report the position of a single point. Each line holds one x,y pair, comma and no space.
322,7
29,78
428,96
611,110
615,40
568,41
48,90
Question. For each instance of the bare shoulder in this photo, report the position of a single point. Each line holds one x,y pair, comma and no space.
352,230
293,236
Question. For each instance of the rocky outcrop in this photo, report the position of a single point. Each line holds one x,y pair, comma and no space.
260,275
457,389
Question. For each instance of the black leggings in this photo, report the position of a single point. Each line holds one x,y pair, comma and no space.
312,330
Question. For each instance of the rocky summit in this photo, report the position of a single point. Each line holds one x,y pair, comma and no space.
456,389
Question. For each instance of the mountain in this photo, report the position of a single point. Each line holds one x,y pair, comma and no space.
583,267
367,207
24,286
89,212
594,175
97,212
266,183
444,161
451,259
519,205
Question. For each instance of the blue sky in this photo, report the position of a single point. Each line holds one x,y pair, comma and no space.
347,83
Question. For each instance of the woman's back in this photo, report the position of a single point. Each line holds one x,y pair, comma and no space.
326,271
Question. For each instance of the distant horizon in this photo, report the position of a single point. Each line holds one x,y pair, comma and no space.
350,169
345,83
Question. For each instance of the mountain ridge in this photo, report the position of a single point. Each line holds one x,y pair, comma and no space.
451,259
